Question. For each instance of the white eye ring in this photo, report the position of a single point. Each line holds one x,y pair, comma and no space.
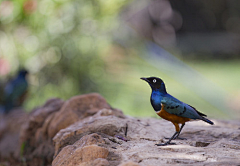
154,81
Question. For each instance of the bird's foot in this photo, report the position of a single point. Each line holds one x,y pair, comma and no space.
177,138
166,143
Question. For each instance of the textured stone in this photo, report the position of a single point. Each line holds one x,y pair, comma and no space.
96,162
77,108
219,143
129,163
10,126
108,125
38,148
92,152
84,151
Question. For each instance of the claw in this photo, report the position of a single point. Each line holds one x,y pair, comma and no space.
178,138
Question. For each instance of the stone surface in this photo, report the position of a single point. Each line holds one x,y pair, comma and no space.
10,126
96,162
84,152
205,144
32,136
35,139
105,125
129,163
77,108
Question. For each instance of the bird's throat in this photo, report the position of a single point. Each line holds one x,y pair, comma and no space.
156,98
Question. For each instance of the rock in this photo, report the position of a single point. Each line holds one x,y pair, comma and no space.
38,148
129,163
96,162
84,152
89,140
77,108
91,152
38,116
108,125
44,122
205,144
10,126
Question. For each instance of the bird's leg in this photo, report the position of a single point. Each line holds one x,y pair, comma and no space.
169,141
177,129
176,137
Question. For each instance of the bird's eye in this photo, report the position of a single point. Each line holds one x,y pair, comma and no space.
154,81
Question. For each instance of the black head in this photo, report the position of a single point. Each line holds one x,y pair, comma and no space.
22,72
155,83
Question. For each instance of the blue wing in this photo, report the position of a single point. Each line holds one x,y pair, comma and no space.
14,91
176,107
16,88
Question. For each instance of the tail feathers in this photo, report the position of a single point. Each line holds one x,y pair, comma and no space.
206,120
199,113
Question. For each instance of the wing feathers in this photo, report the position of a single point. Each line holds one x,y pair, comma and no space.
176,107
201,114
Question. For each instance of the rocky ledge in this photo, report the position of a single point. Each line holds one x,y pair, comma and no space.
86,131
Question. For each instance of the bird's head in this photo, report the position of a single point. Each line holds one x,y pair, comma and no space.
23,73
155,83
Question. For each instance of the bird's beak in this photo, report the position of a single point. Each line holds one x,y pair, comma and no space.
145,79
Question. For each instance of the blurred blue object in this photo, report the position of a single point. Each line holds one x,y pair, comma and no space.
1,109
15,92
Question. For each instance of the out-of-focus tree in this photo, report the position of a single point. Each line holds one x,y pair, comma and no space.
62,42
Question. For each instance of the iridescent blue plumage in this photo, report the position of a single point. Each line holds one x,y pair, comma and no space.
14,91
172,105
170,108
156,98
176,107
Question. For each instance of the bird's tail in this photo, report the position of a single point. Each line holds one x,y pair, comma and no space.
206,120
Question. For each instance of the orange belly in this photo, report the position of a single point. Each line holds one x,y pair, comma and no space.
171,117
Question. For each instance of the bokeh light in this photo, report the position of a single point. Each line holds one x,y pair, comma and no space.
74,47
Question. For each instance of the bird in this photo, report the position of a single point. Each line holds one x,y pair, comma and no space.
170,108
15,91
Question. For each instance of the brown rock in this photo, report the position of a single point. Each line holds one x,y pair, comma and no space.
37,119
44,122
75,109
96,162
129,163
84,151
92,152
89,140
38,146
108,125
10,126
221,142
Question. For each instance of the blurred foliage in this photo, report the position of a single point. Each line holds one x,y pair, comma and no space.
62,42
74,47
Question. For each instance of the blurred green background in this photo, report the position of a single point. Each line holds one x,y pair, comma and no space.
74,47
